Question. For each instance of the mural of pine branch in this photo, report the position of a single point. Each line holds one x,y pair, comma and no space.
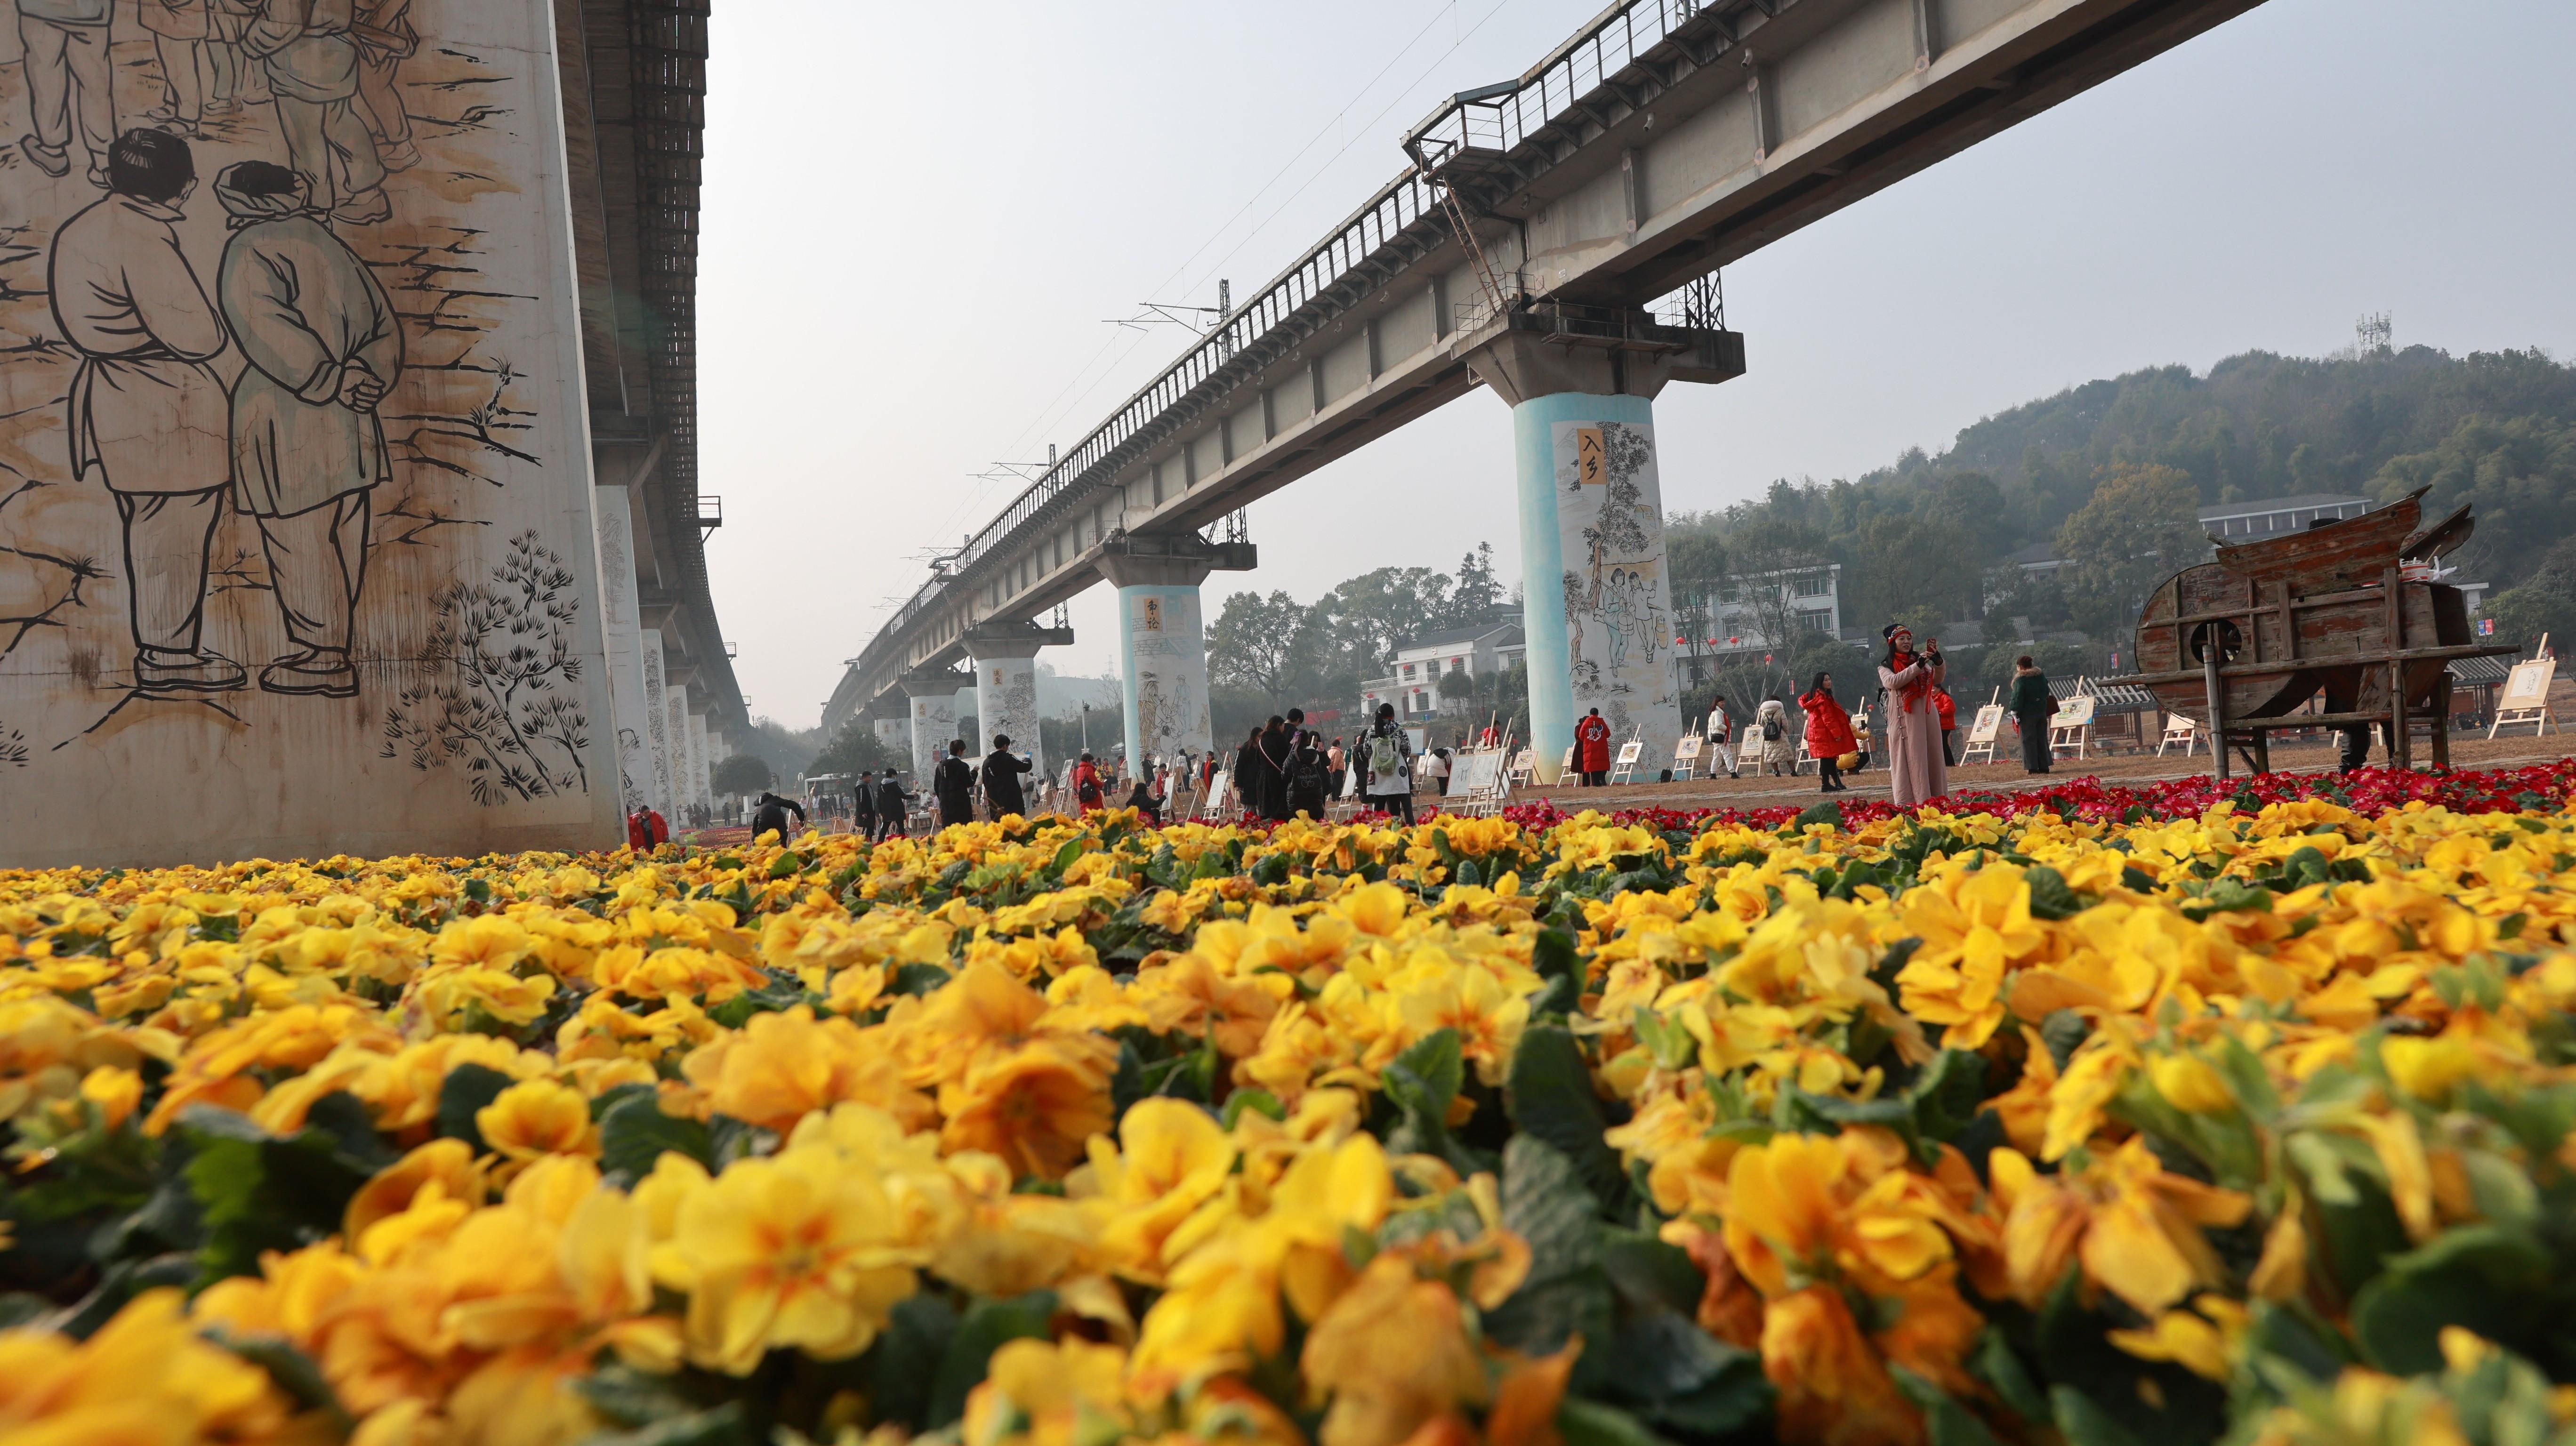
498,658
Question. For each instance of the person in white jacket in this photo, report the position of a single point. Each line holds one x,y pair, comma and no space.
1721,736
1779,748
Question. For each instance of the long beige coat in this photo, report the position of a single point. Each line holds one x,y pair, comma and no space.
1916,770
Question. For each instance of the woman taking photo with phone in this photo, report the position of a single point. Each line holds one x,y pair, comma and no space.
1916,770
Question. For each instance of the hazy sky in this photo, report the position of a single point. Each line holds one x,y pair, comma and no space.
917,219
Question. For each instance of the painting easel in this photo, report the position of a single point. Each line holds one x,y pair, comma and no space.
1624,768
1983,733
2073,725
2178,729
2526,695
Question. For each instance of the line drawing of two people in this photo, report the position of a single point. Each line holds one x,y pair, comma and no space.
328,66
1627,608
295,442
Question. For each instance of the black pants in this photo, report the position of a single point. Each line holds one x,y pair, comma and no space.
1396,804
2352,747
2034,741
1950,747
1829,773
1596,780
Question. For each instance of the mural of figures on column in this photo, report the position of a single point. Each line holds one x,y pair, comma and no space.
1618,600
934,722
657,727
296,532
675,703
1165,652
618,613
701,770
1006,704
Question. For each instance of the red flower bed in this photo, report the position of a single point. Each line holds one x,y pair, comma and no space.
2541,786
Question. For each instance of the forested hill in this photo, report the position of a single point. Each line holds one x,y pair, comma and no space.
2494,428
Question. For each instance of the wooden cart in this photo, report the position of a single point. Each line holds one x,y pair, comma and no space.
2243,641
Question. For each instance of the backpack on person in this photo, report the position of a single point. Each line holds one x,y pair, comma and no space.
1306,771
1086,787
1770,730
1385,757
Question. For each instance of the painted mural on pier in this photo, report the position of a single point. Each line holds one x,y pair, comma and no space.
296,550
1618,600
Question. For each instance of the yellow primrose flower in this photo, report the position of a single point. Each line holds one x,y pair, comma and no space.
538,1117
790,1251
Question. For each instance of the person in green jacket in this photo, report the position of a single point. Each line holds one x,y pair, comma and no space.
2031,706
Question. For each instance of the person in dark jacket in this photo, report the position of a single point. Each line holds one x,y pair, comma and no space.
1247,773
953,784
1309,778
1002,770
1142,799
771,817
863,816
892,804
1276,743
2031,706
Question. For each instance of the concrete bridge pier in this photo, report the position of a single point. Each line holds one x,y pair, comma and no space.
934,720
1162,637
1006,681
1597,601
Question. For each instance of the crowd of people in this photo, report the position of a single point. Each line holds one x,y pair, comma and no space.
1920,733
1284,768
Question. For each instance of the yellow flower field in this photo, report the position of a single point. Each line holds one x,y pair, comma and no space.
2251,1124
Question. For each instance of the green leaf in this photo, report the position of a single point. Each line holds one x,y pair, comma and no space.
1549,1095
2493,1282
724,1425
1830,811
1995,1364
1544,1203
1435,1061
1064,857
2086,1424
1589,1423
1257,1100
903,1366
2050,895
294,1372
635,1132
1127,1082
1272,871
629,1397
468,1088
1950,1423
258,1192
1729,1401
1649,1272
2062,1031
1948,1094
1421,1082
987,1324
917,979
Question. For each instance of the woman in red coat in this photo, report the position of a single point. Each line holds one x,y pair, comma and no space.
1829,734
1949,711
1592,749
